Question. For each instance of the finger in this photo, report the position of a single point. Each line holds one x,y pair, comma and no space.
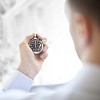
43,56
28,37
45,48
39,36
44,40
22,44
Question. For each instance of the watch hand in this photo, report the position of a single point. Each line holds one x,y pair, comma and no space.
35,44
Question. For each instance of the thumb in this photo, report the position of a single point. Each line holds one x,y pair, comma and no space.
25,50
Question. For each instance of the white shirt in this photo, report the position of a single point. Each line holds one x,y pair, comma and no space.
18,81
85,86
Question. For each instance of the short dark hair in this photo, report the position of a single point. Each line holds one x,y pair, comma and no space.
88,7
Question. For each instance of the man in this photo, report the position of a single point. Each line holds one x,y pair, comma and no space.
84,20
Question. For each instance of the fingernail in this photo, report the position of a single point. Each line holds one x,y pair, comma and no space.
44,41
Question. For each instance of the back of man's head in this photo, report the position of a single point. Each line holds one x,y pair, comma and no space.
88,7
84,22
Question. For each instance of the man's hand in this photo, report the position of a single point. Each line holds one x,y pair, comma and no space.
30,63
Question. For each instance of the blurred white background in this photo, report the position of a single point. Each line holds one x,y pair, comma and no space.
46,17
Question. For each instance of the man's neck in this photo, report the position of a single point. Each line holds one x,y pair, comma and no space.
92,55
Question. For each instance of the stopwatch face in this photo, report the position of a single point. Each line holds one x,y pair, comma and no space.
36,45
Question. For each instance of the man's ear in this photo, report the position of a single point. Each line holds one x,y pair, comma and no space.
83,28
